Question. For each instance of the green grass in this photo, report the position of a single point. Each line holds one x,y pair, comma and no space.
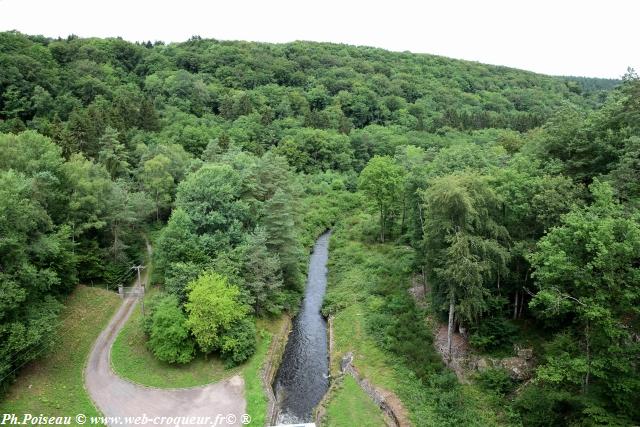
363,278
254,392
54,384
349,335
350,406
131,360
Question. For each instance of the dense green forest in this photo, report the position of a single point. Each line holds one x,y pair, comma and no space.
516,193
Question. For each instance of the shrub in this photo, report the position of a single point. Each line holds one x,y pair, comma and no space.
496,380
214,305
239,342
178,275
398,326
150,308
332,304
541,406
493,333
169,338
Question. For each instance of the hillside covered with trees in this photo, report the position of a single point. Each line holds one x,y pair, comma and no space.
513,195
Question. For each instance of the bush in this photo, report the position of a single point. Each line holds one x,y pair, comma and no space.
493,333
332,304
398,326
150,308
169,338
541,406
239,342
496,380
214,306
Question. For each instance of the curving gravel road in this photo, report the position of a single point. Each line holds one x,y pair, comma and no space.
116,397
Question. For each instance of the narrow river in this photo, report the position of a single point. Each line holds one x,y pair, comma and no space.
303,376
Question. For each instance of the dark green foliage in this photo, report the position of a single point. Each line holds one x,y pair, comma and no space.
375,276
587,271
544,407
177,243
260,271
493,333
169,338
394,326
252,150
211,197
496,380
239,342
280,228
311,150
178,275
26,333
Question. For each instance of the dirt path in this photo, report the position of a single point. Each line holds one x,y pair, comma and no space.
116,397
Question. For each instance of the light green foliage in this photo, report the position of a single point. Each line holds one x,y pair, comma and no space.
113,155
382,181
89,196
132,359
213,306
312,150
465,245
588,268
158,181
482,174
465,157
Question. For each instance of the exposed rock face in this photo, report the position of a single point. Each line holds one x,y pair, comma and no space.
482,364
462,360
524,353
518,367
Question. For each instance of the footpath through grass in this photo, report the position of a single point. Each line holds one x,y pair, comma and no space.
53,384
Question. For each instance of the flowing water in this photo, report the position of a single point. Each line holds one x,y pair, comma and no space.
303,376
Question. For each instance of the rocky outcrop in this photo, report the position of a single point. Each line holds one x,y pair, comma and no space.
519,367
464,362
